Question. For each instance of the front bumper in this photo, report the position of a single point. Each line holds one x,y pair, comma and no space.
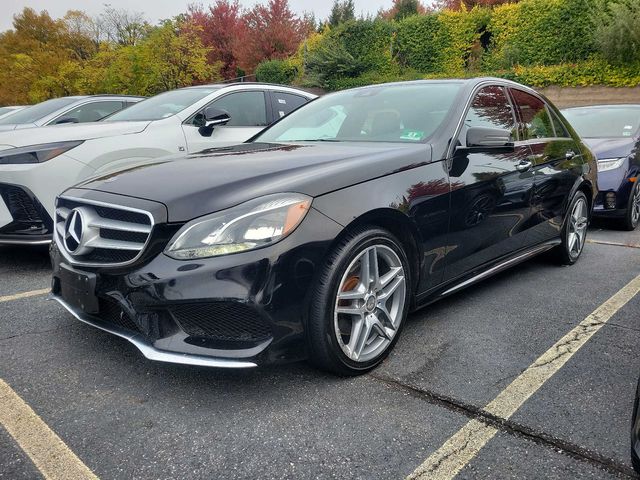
617,183
233,311
146,348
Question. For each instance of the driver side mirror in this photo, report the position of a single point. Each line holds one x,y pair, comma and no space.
489,137
215,116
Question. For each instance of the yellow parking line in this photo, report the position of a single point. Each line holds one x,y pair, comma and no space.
45,449
462,447
18,296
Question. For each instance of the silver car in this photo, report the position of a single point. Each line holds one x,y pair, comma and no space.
76,109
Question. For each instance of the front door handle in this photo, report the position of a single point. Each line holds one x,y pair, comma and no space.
524,165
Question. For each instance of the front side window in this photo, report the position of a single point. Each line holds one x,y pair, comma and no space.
246,109
535,119
406,113
91,112
491,108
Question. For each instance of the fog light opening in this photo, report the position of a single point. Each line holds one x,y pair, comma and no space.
610,200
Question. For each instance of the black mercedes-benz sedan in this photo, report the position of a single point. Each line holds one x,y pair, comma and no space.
317,237
613,133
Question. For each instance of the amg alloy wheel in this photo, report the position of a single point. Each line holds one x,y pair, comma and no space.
361,303
574,231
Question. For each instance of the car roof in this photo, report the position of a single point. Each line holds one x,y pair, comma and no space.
268,86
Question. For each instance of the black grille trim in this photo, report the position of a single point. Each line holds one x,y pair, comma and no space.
222,321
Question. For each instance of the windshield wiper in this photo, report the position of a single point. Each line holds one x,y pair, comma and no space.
317,140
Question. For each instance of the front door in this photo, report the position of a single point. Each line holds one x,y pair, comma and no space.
248,112
490,190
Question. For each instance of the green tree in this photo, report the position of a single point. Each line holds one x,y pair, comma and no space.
341,11
617,30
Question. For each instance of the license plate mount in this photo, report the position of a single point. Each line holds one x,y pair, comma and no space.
78,289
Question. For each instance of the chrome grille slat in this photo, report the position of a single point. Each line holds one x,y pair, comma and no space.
99,242
111,235
63,212
119,225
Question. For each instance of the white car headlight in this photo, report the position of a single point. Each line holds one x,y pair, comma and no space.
605,164
254,224
36,153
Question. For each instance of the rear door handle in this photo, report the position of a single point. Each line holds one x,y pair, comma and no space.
524,165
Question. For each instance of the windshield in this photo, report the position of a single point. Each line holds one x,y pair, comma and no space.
604,122
37,111
4,110
161,106
386,113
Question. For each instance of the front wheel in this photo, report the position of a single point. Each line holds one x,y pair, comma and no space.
632,217
574,230
360,303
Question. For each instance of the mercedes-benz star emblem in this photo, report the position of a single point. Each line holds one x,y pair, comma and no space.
73,231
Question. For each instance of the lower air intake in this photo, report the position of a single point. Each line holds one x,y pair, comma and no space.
222,321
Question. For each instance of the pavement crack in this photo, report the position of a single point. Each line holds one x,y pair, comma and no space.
36,332
510,427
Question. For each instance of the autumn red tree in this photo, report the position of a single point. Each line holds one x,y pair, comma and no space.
221,29
276,32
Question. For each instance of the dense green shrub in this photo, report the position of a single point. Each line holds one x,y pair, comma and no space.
617,31
537,42
276,71
540,32
330,60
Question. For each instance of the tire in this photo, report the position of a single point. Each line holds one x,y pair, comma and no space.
632,216
573,230
351,335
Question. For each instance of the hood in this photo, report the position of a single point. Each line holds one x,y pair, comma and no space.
216,179
612,147
14,126
68,132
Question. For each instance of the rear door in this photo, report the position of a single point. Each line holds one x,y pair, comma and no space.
490,190
248,112
556,164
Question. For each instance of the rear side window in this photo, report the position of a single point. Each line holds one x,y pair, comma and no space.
491,108
534,116
246,109
91,112
285,103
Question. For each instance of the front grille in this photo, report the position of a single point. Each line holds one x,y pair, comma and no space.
111,235
111,312
222,321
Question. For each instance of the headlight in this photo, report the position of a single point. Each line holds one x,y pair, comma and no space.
36,153
605,164
254,224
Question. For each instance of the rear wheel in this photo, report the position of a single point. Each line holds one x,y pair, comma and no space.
574,230
632,217
360,303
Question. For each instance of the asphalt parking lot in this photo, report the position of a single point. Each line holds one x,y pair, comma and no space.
121,416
